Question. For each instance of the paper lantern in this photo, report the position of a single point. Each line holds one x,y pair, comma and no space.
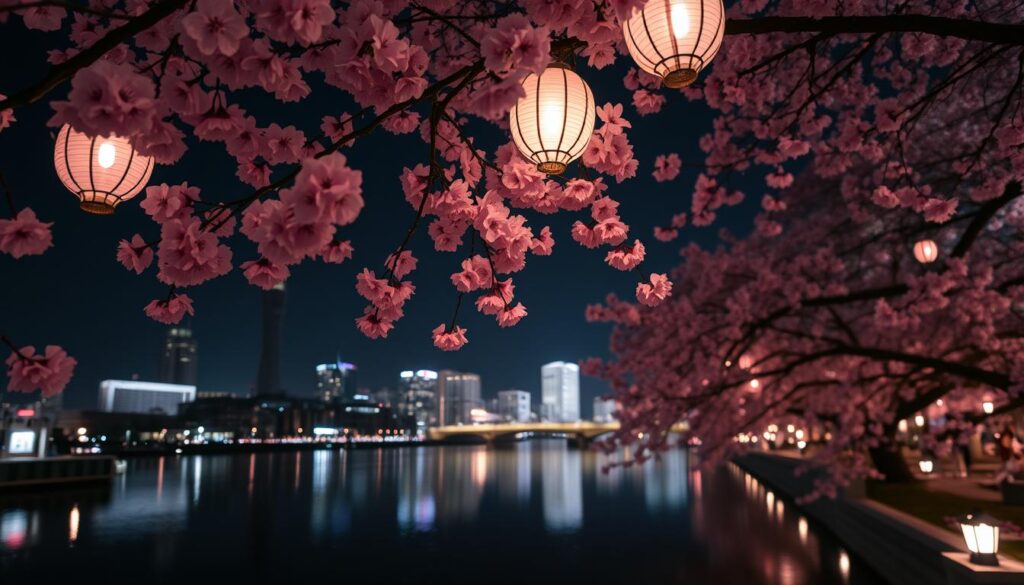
101,172
552,124
675,39
926,251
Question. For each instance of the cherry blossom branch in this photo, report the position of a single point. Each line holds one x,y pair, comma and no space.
63,71
84,9
985,213
971,30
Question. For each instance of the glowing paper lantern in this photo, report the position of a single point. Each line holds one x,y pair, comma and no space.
926,251
675,39
552,124
101,172
981,533
926,465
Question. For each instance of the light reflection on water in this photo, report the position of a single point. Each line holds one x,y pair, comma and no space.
421,514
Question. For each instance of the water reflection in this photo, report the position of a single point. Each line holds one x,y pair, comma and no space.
562,484
423,514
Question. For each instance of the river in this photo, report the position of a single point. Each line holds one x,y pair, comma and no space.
533,512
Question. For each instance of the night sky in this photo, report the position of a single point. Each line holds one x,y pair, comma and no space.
77,295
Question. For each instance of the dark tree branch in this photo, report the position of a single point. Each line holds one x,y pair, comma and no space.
62,71
985,213
972,30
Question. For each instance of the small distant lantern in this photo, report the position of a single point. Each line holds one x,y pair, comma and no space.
988,407
981,532
926,251
926,465
746,361
675,39
552,124
101,172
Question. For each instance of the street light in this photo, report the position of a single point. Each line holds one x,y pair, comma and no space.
981,532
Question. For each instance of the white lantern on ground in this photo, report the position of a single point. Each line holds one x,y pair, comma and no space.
675,39
926,251
981,533
552,124
101,172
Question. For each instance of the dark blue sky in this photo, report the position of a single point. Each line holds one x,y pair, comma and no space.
78,296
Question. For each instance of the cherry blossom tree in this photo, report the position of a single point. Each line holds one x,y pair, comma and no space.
831,87
896,130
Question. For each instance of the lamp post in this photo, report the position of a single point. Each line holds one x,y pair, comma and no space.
981,532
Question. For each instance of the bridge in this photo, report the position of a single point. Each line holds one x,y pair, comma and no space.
582,431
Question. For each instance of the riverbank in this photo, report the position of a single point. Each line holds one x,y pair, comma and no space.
897,545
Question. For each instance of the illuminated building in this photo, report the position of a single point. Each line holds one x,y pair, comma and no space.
514,405
144,397
178,364
336,381
417,396
604,410
458,394
560,391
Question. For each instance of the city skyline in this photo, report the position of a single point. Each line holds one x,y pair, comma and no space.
322,302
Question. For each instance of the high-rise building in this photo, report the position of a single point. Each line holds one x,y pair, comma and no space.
560,391
336,381
514,405
604,410
458,393
143,397
268,379
417,396
178,364
386,396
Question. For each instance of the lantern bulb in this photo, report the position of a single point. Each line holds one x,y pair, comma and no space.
680,21
106,155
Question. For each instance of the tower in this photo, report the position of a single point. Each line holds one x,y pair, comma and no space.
178,364
268,379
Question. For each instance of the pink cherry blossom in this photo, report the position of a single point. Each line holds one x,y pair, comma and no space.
107,99
373,325
164,202
626,257
449,340
135,255
653,293
264,274
667,167
25,235
215,27
170,311
402,264
188,255
508,317
337,252
49,373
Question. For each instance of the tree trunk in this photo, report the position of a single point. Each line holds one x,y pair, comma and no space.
889,461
